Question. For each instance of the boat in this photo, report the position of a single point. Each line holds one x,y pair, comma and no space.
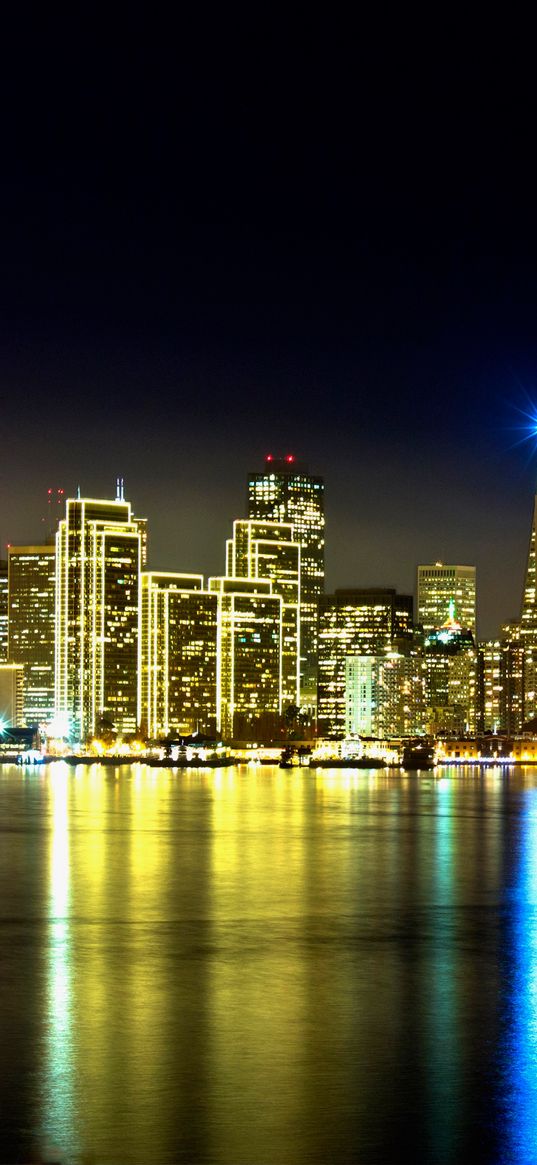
418,756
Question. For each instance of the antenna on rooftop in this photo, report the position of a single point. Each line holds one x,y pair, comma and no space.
120,489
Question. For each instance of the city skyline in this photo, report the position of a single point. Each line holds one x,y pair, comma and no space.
167,551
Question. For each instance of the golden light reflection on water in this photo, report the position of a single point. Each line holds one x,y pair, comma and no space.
241,961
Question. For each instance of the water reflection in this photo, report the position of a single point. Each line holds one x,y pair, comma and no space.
267,965
59,1116
521,1039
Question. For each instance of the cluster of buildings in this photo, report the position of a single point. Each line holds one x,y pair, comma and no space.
93,643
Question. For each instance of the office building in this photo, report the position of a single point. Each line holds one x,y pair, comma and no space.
528,628
384,694
4,606
249,682
451,679
11,695
356,622
178,655
268,550
491,693
97,618
286,492
32,589
438,585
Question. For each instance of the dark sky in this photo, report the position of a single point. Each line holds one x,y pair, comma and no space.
214,248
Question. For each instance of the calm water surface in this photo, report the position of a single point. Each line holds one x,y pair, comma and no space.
259,965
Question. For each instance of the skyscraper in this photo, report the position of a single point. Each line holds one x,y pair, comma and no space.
451,679
32,587
249,679
528,627
286,492
97,617
3,611
179,655
438,585
268,550
354,623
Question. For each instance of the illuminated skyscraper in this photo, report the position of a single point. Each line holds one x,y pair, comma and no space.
267,550
438,584
11,694
179,655
287,492
32,586
3,611
97,617
451,679
384,694
354,623
249,680
528,627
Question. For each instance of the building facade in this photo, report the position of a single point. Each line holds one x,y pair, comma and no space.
451,681
528,627
268,550
249,682
97,618
286,492
356,623
11,695
179,667
4,607
438,586
32,614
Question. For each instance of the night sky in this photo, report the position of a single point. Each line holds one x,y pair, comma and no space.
320,248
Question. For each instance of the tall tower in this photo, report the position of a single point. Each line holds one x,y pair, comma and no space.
268,550
286,492
438,585
179,654
32,586
3,611
97,616
528,627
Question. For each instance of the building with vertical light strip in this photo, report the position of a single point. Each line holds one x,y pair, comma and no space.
438,585
32,613
528,627
249,677
3,611
97,617
268,550
286,492
178,655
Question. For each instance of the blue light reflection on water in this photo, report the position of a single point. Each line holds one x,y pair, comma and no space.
520,1041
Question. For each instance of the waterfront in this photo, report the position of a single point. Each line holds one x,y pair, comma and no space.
262,965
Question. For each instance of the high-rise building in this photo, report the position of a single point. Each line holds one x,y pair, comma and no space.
513,677
11,694
249,683
491,703
528,627
451,680
384,694
3,611
267,550
286,492
97,617
356,622
32,588
438,586
179,655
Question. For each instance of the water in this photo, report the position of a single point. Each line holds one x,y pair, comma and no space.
259,965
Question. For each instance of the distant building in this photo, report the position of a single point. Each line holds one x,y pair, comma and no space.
249,658
32,594
451,679
384,694
286,492
11,695
528,627
97,618
3,612
491,714
354,623
178,655
438,584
